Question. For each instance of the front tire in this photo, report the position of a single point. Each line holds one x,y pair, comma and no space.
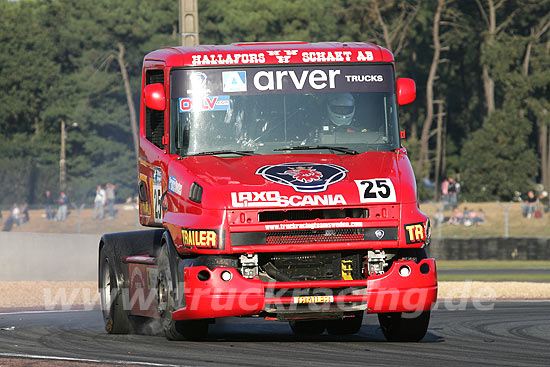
346,326
307,328
174,330
404,326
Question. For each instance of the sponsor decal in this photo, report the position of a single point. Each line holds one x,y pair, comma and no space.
174,186
376,190
314,299
278,80
365,56
283,79
414,233
379,233
198,83
364,78
326,56
304,174
304,177
212,103
199,238
228,59
157,176
246,199
144,207
315,225
284,56
234,81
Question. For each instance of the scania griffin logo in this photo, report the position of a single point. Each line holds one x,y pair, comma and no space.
304,177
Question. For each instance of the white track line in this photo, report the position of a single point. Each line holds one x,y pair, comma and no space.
40,311
86,360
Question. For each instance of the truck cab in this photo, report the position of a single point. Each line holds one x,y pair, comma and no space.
277,180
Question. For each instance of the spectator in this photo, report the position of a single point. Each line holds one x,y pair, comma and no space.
99,203
529,205
479,217
110,195
467,215
24,213
453,190
445,192
16,215
63,205
8,223
457,217
544,201
48,203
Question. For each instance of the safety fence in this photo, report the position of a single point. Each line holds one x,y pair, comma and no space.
494,248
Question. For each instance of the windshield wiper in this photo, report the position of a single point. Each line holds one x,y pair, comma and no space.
313,147
215,152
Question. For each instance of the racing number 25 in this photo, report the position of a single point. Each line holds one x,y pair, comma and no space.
376,190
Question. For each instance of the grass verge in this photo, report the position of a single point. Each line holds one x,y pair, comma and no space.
494,277
491,264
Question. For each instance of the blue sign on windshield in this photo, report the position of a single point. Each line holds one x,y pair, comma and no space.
198,104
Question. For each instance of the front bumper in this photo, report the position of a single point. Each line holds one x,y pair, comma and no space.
406,286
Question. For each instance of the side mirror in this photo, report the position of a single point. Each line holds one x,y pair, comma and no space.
154,96
406,91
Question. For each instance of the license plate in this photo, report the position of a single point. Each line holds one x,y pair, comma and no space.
314,299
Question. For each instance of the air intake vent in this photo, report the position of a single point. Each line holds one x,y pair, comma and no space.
280,215
311,236
195,193
315,236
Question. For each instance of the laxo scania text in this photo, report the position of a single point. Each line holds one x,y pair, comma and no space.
277,187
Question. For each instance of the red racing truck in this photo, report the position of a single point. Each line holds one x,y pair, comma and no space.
276,177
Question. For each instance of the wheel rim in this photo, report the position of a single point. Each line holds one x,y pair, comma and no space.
106,290
162,293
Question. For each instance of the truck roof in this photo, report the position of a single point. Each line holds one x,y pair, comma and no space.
271,53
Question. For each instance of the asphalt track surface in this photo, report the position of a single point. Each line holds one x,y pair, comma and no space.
510,334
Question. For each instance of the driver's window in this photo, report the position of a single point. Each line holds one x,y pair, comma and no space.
154,120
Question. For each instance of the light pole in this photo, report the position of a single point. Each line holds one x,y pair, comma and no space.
189,22
62,160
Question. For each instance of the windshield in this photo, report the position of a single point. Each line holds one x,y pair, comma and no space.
265,110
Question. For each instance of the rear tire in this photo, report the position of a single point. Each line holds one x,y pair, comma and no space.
114,316
307,328
402,327
346,326
174,330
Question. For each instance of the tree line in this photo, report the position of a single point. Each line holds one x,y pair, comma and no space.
481,114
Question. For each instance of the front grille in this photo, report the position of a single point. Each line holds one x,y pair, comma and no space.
292,267
315,236
292,215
